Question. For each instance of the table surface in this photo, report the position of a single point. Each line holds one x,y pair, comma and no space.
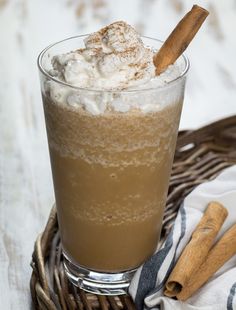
27,26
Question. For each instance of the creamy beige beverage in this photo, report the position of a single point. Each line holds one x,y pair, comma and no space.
111,175
112,136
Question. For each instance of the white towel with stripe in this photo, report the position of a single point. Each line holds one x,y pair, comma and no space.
219,292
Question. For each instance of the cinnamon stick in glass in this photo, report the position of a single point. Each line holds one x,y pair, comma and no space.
197,249
224,249
179,38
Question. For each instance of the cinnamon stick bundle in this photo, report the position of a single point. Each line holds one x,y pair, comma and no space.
197,249
224,249
179,39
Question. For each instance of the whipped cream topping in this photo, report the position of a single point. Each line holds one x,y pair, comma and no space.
114,58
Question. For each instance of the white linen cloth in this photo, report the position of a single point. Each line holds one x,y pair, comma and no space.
219,292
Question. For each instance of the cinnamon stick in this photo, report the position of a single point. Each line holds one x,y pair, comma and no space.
224,249
179,38
197,249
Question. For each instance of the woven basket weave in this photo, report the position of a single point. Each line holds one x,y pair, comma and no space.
200,156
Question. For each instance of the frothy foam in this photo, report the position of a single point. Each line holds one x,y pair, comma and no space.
114,59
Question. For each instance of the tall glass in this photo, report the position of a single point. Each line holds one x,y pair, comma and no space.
110,171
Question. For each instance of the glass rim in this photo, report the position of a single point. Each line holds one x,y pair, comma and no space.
159,87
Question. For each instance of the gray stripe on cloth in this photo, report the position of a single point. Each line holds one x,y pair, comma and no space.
151,267
172,264
149,271
231,297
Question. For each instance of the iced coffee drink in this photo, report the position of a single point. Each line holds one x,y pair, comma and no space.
112,128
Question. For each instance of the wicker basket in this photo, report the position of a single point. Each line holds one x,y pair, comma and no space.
200,156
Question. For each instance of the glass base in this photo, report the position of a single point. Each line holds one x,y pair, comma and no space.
98,282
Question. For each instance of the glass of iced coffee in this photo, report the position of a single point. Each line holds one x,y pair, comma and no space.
112,128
